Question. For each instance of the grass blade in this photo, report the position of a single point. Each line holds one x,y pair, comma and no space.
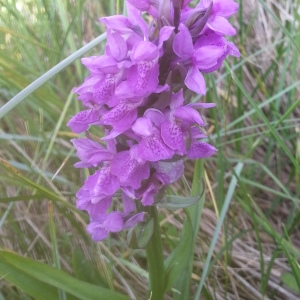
231,189
48,75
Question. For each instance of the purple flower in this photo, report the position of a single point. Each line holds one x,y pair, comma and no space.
83,120
138,92
200,56
150,6
130,171
101,184
90,153
221,11
101,225
142,76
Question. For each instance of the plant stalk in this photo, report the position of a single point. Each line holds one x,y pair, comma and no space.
155,259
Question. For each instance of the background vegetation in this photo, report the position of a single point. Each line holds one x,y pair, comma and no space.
253,253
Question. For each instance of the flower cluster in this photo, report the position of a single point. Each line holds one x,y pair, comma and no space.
139,92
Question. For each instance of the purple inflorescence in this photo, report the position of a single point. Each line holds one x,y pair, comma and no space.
136,91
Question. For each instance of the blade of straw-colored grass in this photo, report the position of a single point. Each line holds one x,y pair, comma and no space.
23,167
279,23
63,163
49,74
230,192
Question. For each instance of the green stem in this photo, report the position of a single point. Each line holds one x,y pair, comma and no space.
155,259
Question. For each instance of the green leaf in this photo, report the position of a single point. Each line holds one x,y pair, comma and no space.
58,278
176,263
30,285
173,202
178,266
144,233
290,281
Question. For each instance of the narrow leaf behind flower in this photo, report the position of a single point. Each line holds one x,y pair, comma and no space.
178,266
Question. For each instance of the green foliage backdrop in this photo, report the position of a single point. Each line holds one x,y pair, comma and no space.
251,252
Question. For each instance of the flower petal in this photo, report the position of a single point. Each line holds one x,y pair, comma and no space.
144,51
97,232
143,78
221,25
195,81
90,153
143,126
225,8
129,171
201,150
121,117
164,35
202,105
183,44
206,57
172,136
188,114
128,203
101,183
117,45
148,195
153,148
177,100
155,115
169,171
137,218
81,121
101,64
114,222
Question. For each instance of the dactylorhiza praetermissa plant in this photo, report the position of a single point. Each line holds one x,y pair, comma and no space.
139,91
